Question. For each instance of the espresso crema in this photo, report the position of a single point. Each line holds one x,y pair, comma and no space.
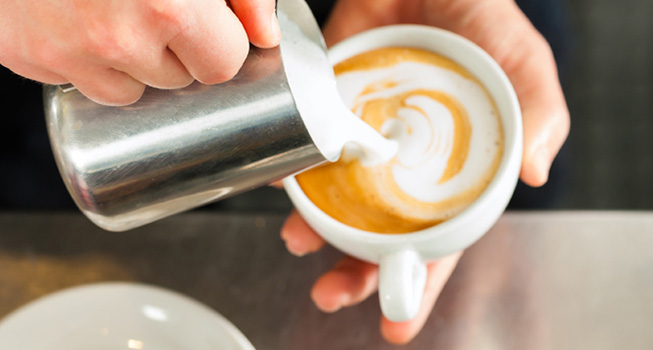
449,134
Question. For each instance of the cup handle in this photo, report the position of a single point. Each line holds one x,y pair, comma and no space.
402,277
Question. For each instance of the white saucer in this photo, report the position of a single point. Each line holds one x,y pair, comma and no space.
118,316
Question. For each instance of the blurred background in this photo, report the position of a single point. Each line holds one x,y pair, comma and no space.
609,90
605,55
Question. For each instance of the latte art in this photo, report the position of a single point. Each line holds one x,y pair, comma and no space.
449,135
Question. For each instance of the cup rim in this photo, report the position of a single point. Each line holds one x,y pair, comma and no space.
512,150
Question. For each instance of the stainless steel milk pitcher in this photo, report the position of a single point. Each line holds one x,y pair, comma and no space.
175,150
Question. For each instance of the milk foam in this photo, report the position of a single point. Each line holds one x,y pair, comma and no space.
425,137
448,134
364,143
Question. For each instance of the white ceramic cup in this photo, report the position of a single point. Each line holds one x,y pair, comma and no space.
402,258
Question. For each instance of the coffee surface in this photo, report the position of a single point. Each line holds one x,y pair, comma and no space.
449,134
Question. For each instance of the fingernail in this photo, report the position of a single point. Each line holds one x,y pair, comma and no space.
338,304
542,162
293,249
346,300
343,300
275,33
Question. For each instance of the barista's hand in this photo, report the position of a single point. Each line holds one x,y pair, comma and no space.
111,49
351,281
499,27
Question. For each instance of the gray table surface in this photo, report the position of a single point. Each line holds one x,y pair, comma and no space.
537,280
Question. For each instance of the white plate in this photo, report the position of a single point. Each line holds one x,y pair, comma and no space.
117,316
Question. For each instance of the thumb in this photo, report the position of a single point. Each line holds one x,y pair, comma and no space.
528,61
546,126
501,29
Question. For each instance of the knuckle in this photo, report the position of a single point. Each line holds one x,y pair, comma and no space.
46,56
225,71
177,82
128,99
112,88
184,82
113,45
216,77
175,14
122,98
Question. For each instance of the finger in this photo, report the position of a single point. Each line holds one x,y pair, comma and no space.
277,184
544,112
160,69
214,45
260,21
108,86
299,237
349,282
39,74
531,67
437,276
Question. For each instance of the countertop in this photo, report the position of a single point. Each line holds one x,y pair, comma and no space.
537,280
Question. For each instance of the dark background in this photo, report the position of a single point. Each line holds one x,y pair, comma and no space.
604,51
